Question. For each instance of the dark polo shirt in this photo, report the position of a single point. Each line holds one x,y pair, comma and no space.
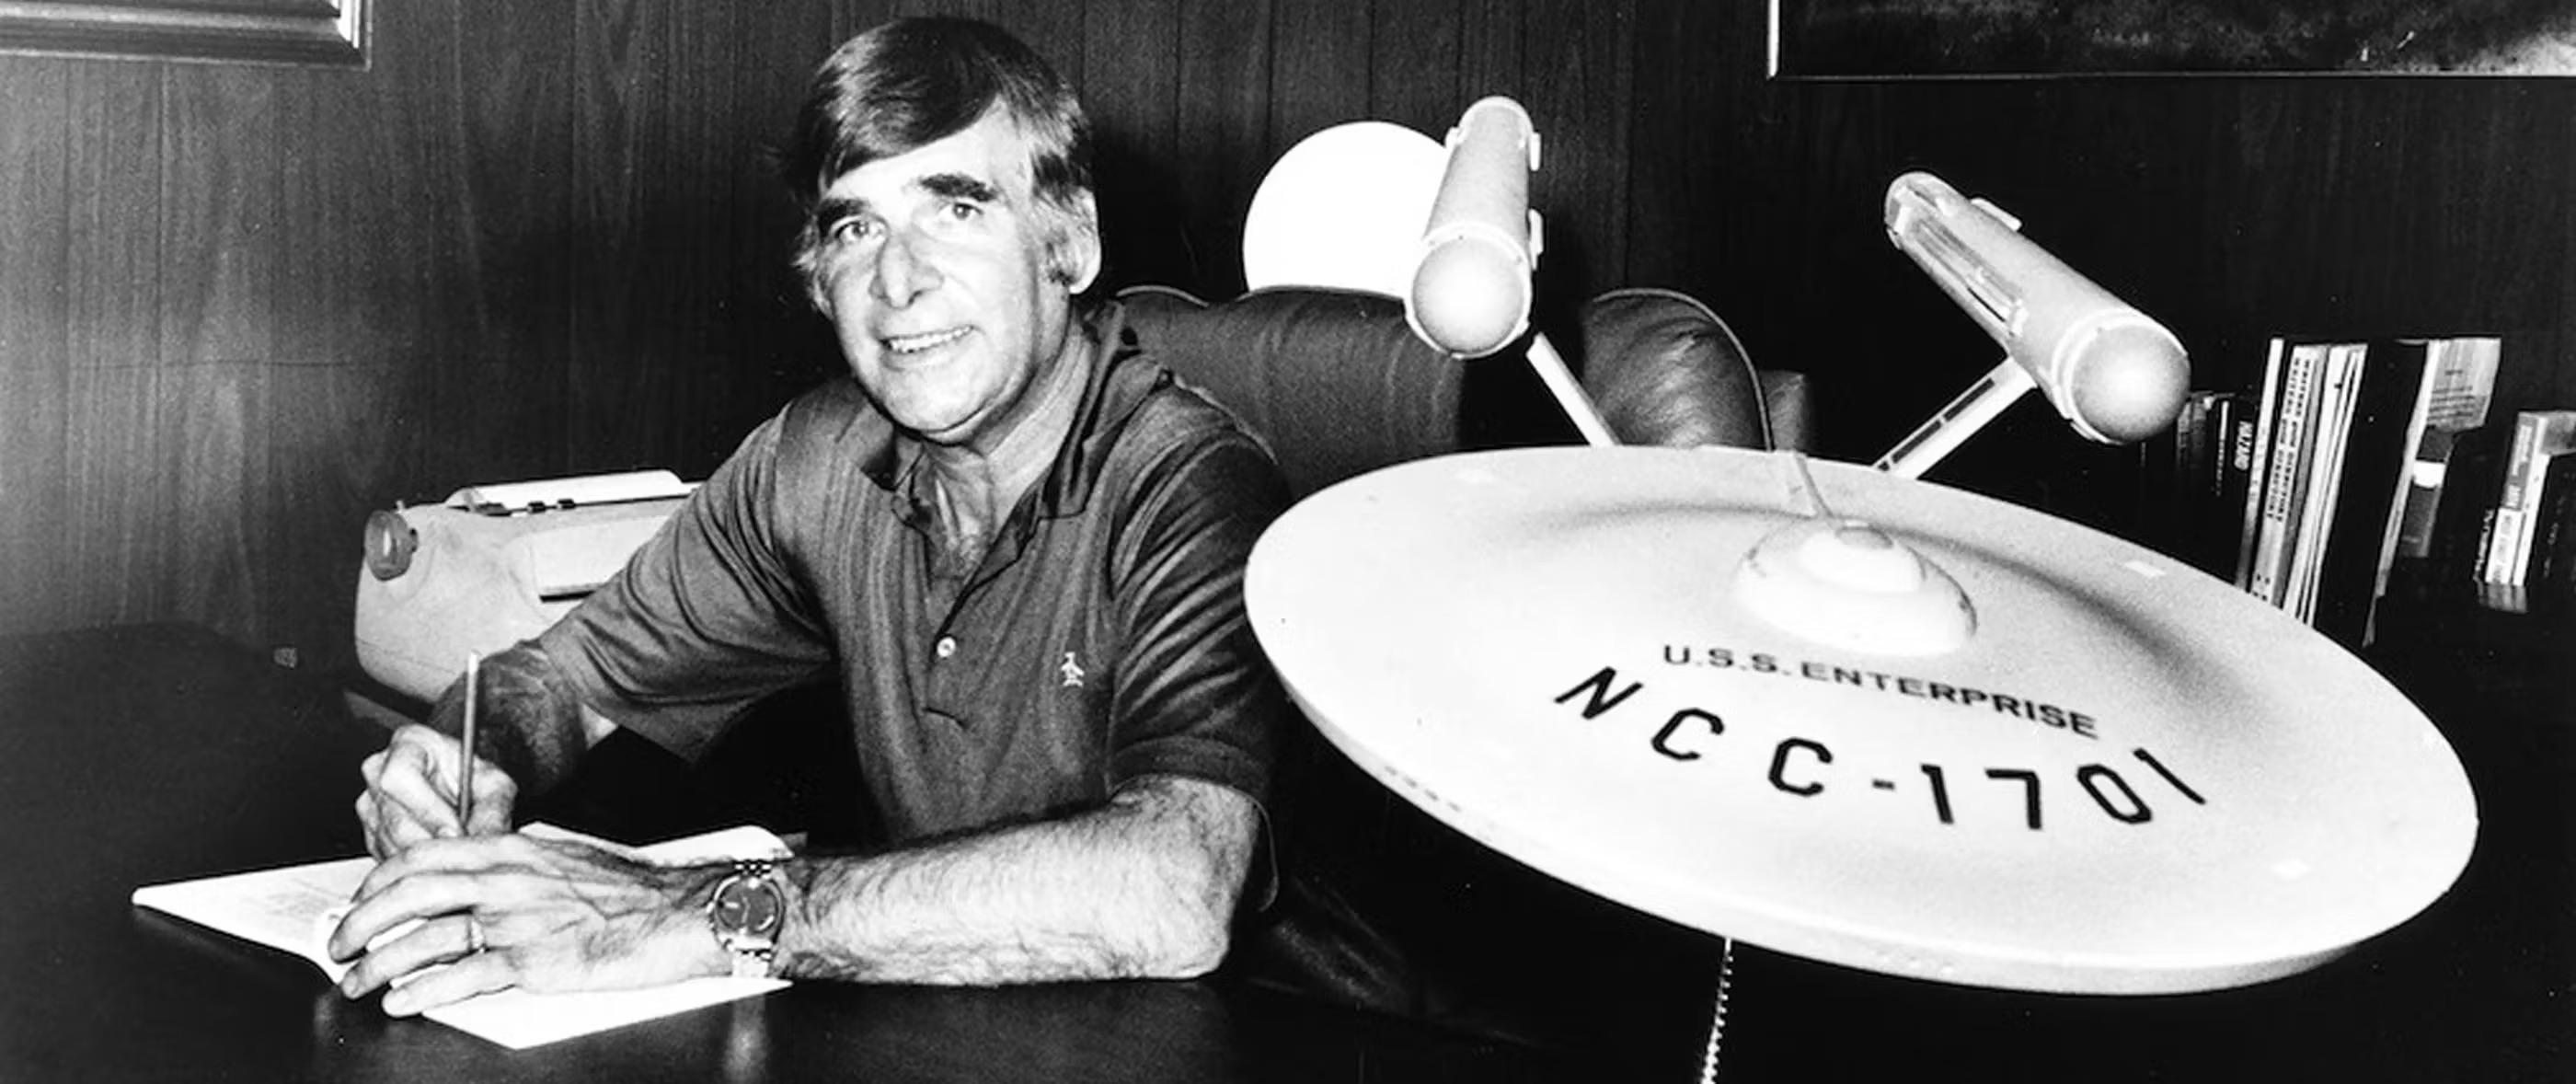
1103,638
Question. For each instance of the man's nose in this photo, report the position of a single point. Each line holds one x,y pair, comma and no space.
903,271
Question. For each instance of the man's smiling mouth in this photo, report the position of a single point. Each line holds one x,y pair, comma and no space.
915,344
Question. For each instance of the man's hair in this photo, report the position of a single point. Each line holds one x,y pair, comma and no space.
913,82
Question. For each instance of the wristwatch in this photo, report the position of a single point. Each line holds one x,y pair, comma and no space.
746,912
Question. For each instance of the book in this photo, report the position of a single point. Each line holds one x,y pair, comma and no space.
293,909
2292,407
2204,485
2537,435
2235,416
2168,462
2551,579
2530,520
2321,476
2390,394
2461,392
2258,471
2472,480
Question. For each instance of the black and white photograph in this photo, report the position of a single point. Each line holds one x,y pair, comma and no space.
1287,541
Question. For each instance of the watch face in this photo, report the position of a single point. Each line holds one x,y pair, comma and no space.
749,907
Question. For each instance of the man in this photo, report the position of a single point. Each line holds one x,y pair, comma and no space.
1016,543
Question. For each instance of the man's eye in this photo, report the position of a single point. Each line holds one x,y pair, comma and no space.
964,210
853,228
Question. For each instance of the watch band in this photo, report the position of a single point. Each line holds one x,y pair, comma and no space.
747,911
754,963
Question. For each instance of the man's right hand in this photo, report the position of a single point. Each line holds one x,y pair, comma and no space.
411,792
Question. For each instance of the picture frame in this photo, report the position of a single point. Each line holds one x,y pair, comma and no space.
311,32
1954,39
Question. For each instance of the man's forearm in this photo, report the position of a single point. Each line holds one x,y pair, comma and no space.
1144,887
527,718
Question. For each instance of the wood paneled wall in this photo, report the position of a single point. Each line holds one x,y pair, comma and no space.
241,306
2231,209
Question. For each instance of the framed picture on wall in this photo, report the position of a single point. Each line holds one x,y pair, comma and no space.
1897,39
324,32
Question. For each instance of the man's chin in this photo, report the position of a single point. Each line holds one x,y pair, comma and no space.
926,408
936,426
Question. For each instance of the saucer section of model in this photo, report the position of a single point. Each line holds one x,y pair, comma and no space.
1866,720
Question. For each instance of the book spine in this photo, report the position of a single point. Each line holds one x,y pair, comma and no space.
2504,537
2557,436
2462,388
2231,438
2245,438
2321,471
2553,554
2281,487
2172,461
2470,480
2191,464
2485,542
2415,366
2422,499
2250,517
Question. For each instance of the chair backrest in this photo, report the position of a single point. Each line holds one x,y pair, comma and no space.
1332,380
1337,384
1663,369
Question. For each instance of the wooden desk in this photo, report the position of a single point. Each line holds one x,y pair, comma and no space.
135,755
130,756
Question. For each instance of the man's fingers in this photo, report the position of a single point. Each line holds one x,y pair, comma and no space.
479,973
435,877
390,902
371,825
411,793
393,955
494,795
390,826
433,963
412,781
422,780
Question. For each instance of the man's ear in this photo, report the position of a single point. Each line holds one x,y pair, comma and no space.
1077,256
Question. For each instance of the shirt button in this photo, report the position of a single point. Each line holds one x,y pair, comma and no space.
947,646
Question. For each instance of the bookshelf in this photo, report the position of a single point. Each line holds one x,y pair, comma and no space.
2353,461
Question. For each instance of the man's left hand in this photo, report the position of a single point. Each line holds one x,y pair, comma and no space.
549,914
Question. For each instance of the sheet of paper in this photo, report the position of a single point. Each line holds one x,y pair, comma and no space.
519,497
291,910
294,908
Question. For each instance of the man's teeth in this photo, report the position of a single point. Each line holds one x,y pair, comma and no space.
914,344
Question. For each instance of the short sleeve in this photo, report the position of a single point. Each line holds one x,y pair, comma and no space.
1196,697
705,619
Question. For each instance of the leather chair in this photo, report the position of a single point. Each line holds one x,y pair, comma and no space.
1338,385
1380,906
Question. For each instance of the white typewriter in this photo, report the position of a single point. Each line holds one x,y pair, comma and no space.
493,565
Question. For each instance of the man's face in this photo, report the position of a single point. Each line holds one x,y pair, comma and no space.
934,271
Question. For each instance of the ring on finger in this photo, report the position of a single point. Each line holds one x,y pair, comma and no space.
473,935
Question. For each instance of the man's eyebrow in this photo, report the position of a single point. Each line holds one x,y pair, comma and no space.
960,186
831,209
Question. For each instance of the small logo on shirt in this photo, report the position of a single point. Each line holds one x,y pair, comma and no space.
1072,671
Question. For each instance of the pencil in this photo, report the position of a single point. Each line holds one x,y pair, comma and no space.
465,758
